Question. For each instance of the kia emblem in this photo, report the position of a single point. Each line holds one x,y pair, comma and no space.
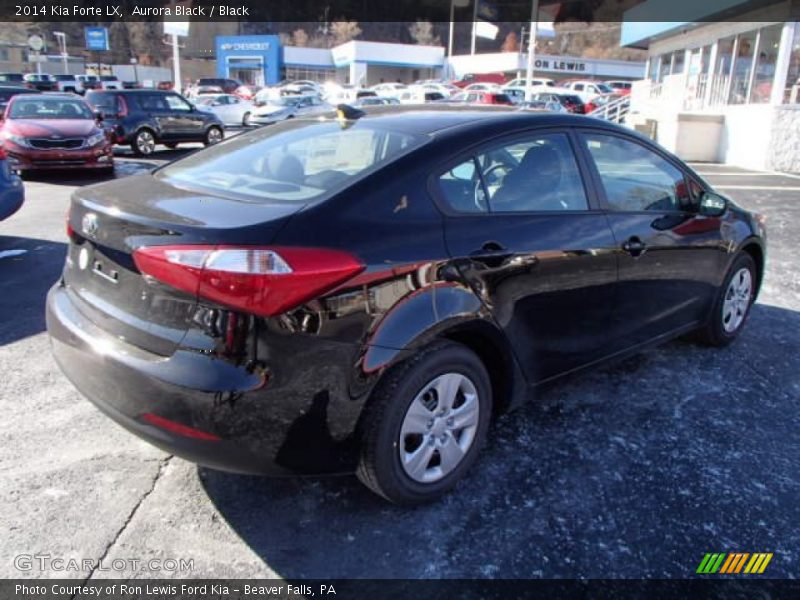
89,224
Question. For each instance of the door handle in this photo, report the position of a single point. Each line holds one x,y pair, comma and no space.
491,252
634,246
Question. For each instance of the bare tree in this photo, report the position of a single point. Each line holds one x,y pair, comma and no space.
511,43
422,33
344,31
300,38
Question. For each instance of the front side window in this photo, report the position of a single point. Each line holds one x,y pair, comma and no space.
296,161
636,178
536,174
177,103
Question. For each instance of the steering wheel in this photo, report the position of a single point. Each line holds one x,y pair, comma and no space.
489,177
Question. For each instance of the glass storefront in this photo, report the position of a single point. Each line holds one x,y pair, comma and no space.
792,93
769,42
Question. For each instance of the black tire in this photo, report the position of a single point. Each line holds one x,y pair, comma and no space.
380,467
171,145
211,133
246,120
144,142
715,333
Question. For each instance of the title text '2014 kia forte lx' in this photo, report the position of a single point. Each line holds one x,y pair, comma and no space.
363,292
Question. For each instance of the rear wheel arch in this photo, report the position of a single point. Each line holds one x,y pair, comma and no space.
756,252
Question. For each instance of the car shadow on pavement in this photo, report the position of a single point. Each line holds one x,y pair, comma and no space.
28,268
633,470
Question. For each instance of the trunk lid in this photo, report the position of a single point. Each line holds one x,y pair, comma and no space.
113,219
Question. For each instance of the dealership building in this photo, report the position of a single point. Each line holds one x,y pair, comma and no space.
262,60
721,90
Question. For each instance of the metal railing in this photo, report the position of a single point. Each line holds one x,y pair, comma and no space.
614,111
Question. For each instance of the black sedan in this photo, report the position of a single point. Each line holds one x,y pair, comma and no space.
363,292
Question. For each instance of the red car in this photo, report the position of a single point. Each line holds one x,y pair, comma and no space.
54,131
471,78
480,97
246,91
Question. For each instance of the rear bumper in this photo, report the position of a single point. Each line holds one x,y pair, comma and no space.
289,428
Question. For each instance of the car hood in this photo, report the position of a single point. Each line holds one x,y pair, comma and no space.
51,127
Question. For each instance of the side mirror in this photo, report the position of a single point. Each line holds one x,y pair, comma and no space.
712,205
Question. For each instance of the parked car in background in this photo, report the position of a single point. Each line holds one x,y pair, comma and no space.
226,86
9,91
482,87
620,87
131,85
419,95
376,101
551,105
536,82
89,82
144,118
471,78
446,89
166,86
54,131
288,107
247,91
110,82
392,90
69,83
14,79
588,89
230,109
572,102
12,192
345,93
41,81
371,294
497,98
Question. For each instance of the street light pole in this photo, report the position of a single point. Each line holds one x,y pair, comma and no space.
531,51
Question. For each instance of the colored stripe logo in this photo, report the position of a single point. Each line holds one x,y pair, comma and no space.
734,563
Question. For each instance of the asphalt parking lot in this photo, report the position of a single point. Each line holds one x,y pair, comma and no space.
635,470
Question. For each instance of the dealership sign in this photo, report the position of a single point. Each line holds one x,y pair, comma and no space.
96,38
239,46
546,64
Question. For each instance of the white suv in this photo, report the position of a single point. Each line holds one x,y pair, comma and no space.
69,83
587,90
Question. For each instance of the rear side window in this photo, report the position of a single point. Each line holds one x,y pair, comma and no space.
537,174
292,162
151,102
636,178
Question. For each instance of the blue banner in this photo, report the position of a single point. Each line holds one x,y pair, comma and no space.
96,38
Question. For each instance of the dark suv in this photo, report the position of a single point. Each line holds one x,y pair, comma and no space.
144,118
228,85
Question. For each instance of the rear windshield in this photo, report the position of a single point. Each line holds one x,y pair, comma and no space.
296,161
108,78
64,77
106,103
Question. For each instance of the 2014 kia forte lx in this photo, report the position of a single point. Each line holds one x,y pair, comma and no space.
363,293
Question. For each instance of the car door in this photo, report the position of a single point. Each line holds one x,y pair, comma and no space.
528,236
156,109
669,255
188,122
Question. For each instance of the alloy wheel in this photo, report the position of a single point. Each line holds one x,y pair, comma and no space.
145,142
737,300
439,427
214,136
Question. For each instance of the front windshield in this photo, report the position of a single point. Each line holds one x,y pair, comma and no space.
604,88
41,107
297,161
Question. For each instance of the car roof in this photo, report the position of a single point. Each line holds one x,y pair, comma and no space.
434,119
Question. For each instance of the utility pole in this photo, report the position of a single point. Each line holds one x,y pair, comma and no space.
62,42
531,51
474,24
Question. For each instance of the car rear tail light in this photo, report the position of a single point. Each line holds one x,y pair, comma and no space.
3,153
257,280
123,107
